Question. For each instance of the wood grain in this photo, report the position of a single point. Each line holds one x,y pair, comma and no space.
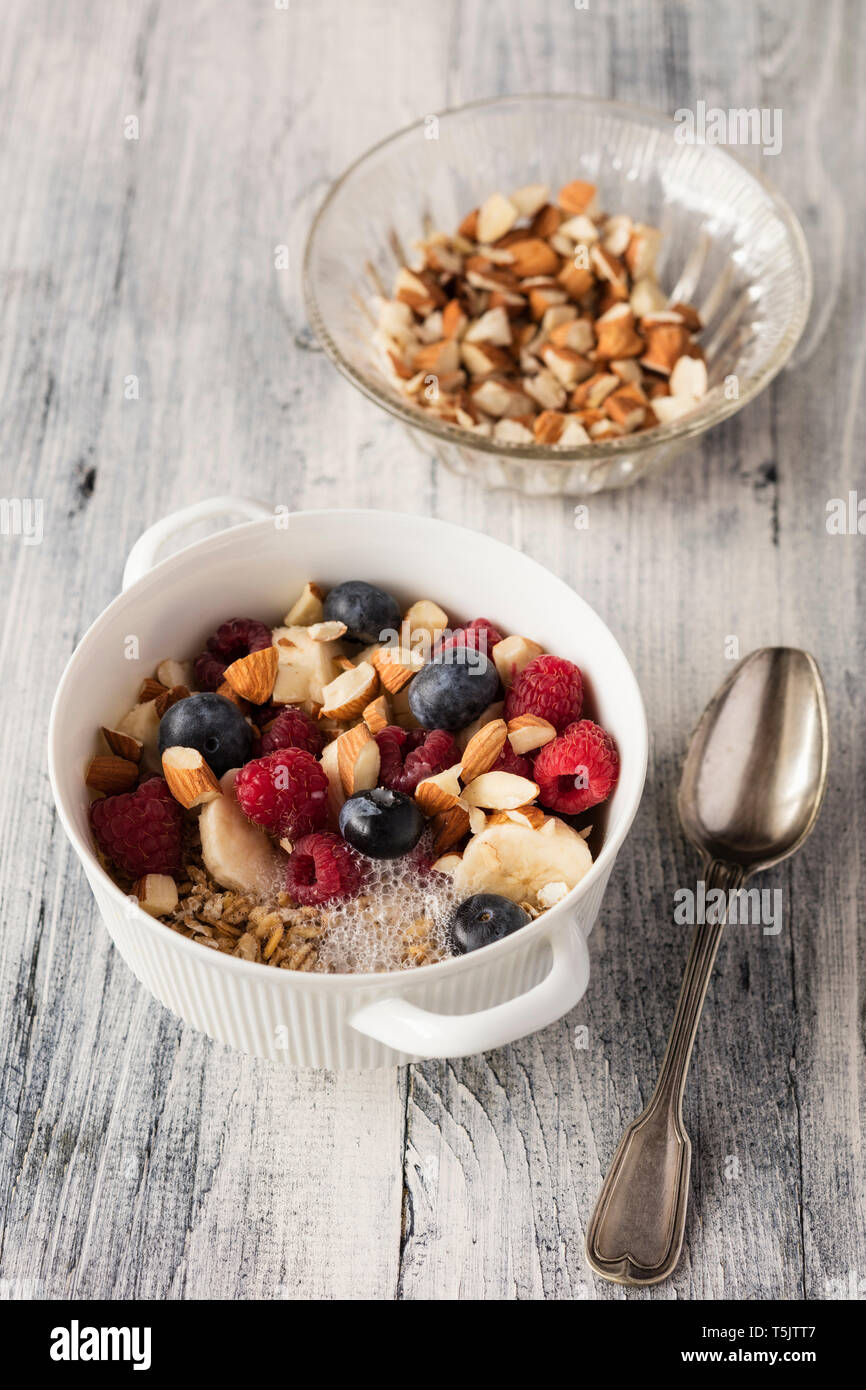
138,1158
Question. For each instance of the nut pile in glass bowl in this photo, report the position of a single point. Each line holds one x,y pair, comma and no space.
540,320
356,789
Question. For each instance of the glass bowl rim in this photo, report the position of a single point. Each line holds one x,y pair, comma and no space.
598,451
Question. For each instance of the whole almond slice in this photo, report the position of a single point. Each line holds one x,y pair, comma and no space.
440,792
156,893
396,666
358,760
449,827
499,791
351,691
377,715
253,676
111,774
483,749
512,654
528,731
124,745
189,778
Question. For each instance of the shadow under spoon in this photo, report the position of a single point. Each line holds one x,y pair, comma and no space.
750,793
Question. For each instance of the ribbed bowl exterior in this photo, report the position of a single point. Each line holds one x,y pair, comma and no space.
731,246
300,1021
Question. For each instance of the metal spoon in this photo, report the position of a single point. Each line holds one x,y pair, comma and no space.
750,793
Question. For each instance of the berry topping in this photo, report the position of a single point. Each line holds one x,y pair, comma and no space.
293,729
407,756
480,636
509,761
369,613
322,868
234,639
381,823
449,695
211,724
550,687
577,770
285,792
483,919
140,831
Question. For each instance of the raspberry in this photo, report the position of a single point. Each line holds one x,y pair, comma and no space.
509,761
293,729
285,792
140,831
409,755
550,687
479,635
234,639
322,868
577,770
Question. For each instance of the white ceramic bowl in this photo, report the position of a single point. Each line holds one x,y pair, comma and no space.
452,1009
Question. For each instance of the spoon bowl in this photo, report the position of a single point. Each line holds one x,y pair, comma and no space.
755,771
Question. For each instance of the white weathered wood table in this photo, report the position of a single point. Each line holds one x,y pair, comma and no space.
138,1158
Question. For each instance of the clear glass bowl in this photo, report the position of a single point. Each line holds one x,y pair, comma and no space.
731,246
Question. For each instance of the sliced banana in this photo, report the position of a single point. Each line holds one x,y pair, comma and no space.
237,853
518,862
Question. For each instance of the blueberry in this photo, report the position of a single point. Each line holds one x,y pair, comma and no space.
450,693
368,612
213,725
483,919
381,823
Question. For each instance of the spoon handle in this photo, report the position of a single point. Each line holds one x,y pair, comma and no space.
636,1232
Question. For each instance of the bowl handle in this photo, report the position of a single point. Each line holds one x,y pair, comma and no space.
142,556
408,1028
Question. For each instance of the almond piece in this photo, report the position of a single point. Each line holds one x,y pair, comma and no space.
440,792
483,748
327,632
499,791
111,774
357,760
530,199
496,216
551,894
492,327
440,358
531,817
396,666
124,745
449,827
170,673
512,654
454,319
616,334
528,731
253,676
150,689
493,711
142,724
169,698
577,197
347,695
156,893
329,763
189,778
533,257
666,342
424,616
689,377
548,426
377,715
307,609
227,693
